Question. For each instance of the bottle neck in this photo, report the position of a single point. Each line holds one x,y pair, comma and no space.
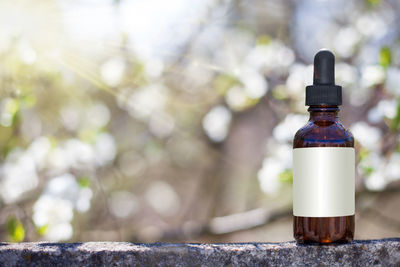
323,112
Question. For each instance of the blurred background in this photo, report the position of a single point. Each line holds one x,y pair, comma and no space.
173,120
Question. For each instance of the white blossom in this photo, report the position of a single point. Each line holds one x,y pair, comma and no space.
236,98
50,210
123,204
279,159
255,85
163,198
104,149
216,123
368,136
271,57
346,75
161,124
146,100
26,52
371,24
299,76
345,41
112,71
385,108
286,129
372,75
18,176
392,169
39,150
97,116
55,207
376,180
79,154
268,175
393,80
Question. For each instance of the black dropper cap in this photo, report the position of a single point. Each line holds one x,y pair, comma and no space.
324,91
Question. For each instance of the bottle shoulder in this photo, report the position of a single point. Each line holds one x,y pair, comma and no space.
319,134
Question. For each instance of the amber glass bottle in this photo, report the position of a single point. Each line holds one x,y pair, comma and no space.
323,164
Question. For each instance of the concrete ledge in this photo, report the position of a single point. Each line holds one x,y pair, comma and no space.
385,252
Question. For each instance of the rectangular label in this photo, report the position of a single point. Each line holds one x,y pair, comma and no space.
323,181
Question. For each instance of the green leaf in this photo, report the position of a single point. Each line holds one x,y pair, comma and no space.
29,100
15,229
385,57
223,82
42,230
11,109
368,170
84,181
280,92
286,176
363,153
263,40
12,106
373,2
88,135
396,120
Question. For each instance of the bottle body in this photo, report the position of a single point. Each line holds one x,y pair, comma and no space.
323,130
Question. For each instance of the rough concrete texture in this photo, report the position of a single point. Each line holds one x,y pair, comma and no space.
385,252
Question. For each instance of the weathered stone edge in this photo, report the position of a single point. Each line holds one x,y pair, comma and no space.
358,253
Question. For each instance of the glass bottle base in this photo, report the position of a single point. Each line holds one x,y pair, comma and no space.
323,230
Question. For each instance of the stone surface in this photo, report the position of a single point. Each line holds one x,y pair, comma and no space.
385,252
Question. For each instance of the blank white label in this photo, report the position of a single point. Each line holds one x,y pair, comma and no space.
323,181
